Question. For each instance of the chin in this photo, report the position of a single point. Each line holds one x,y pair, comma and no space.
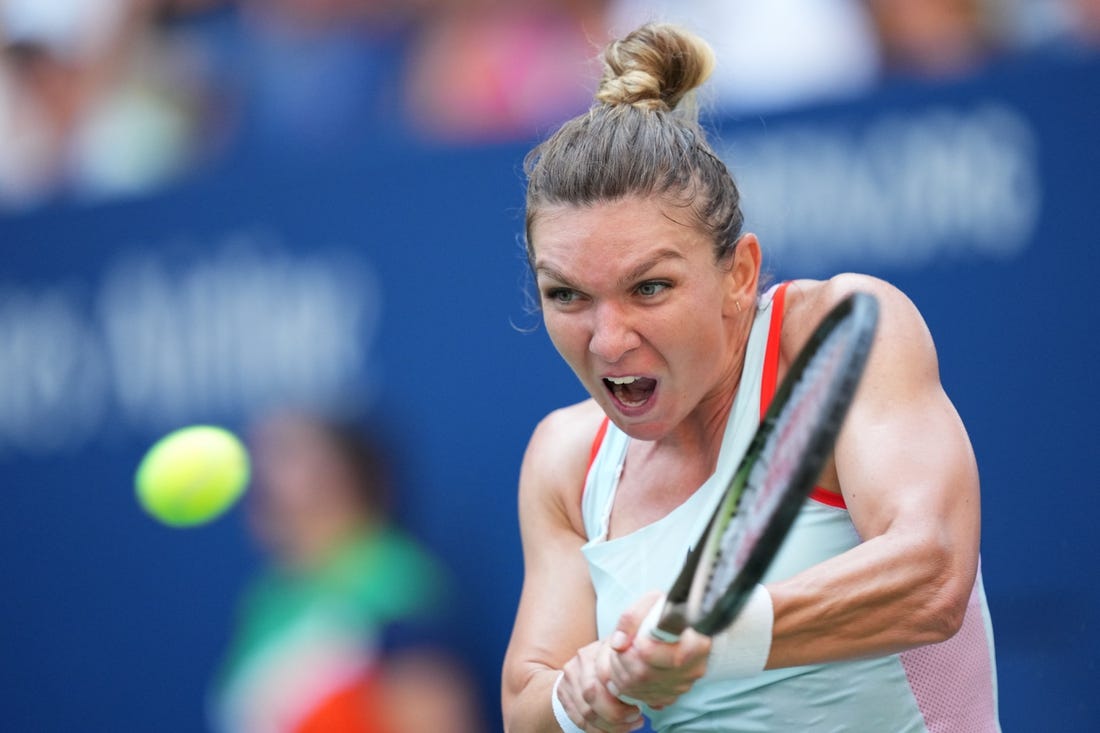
639,428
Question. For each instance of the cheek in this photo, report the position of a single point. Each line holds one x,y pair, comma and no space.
699,341
566,334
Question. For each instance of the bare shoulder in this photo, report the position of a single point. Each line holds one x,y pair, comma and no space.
567,433
809,300
903,358
557,456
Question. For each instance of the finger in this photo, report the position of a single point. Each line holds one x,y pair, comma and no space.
631,620
657,672
600,709
617,717
605,661
625,670
612,715
622,669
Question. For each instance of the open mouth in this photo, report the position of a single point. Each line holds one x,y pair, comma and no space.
631,391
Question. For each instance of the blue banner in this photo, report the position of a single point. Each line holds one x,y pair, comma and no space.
395,281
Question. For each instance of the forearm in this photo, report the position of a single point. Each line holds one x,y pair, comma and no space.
528,707
555,571
885,595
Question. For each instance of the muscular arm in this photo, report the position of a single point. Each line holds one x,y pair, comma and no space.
907,472
557,608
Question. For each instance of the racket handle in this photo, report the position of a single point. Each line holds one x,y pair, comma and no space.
649,627
650,624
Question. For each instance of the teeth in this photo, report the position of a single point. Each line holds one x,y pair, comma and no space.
622,380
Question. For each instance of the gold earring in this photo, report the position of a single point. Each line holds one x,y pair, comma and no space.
738,304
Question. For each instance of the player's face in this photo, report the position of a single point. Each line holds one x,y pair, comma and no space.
635,303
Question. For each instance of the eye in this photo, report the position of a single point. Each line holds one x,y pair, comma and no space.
561,296
651,288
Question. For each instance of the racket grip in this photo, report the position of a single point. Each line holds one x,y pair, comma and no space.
649,627
650,624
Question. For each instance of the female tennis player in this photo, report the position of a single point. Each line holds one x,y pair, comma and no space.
872,617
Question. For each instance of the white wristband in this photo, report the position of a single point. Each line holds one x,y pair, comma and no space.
564,721
742,649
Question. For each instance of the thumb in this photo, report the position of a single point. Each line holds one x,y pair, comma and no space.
631,621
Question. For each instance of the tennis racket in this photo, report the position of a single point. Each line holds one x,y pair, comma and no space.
782,463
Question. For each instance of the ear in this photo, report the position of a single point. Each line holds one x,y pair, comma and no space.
743,276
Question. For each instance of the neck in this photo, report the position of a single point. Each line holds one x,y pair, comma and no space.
700,434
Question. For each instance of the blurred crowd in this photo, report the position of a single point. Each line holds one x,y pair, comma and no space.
349,626
106,97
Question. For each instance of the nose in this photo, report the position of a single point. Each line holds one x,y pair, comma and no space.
613,333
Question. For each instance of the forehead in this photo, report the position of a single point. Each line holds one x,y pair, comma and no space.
605,234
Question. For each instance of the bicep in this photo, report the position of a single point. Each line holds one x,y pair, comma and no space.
904,461
904,465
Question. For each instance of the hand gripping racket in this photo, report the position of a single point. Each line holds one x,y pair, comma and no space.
782,463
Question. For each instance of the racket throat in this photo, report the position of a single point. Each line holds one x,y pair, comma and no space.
673,620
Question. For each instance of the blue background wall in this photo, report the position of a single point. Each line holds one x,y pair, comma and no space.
395,279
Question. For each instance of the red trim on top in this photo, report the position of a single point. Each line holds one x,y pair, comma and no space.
770,379
596,442
828,497
771,354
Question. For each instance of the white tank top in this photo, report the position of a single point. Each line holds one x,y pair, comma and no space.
873,695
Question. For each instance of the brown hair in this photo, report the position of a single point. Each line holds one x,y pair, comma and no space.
641,137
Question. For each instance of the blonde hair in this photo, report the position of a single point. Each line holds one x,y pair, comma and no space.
641,137
655,67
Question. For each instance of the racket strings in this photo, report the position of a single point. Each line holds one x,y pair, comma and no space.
806,406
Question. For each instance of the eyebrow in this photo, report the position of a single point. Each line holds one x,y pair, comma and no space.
643,267
630,277
553,273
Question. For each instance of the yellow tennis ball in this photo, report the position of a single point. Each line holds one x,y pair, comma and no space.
193,475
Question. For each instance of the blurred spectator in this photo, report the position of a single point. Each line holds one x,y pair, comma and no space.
106,97
324,76
771,55
346,630
1084,23
91,102
483,70
937,39
1055,26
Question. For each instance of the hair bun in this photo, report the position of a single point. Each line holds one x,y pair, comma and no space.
654,67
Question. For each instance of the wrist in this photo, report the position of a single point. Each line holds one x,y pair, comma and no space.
564,721
742,649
